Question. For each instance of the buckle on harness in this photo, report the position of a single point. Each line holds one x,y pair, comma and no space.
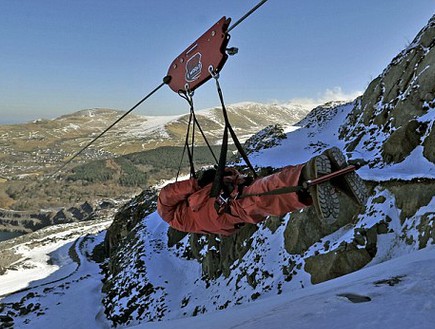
222,202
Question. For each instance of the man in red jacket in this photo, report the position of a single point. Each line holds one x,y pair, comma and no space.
187,205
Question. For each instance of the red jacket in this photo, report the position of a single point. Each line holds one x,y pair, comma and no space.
189,208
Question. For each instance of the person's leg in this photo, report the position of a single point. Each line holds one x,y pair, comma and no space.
323,196
254,209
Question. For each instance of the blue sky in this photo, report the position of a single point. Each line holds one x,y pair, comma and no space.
59,56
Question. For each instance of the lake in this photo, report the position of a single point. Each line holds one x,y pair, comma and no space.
9,235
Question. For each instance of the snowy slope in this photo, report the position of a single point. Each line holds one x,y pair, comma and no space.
396,294
318,135
56,285
306,140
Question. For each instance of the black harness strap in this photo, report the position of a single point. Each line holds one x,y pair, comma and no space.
218,182
189,153
220,171
283,190
193,121
231,130
305,185
203,136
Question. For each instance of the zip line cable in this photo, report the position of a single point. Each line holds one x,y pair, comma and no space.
166,80
246,15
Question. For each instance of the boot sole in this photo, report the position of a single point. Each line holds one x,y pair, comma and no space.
327,203
352,182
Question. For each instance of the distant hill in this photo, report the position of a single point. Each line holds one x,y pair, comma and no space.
39,146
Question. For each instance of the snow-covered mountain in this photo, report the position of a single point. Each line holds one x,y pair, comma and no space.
39,146
372,268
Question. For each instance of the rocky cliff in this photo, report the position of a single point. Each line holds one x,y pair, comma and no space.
27,221
394,116
156,273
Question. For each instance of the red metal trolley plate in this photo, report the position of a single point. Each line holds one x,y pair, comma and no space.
191,68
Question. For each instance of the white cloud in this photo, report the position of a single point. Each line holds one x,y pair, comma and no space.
337,94
334,94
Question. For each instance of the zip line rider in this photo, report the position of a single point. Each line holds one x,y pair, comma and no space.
188,207
222,201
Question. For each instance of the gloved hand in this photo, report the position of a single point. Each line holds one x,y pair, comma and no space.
206,177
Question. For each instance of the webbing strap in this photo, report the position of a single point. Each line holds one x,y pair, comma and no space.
218,182
231,130
219,178
283,190
305,185
193,121
204,137
189,154
192,145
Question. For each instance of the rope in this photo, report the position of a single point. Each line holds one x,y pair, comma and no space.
166,80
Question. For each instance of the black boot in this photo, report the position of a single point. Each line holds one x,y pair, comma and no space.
325,198
350,183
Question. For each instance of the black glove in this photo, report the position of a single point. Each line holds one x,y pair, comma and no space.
206,177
